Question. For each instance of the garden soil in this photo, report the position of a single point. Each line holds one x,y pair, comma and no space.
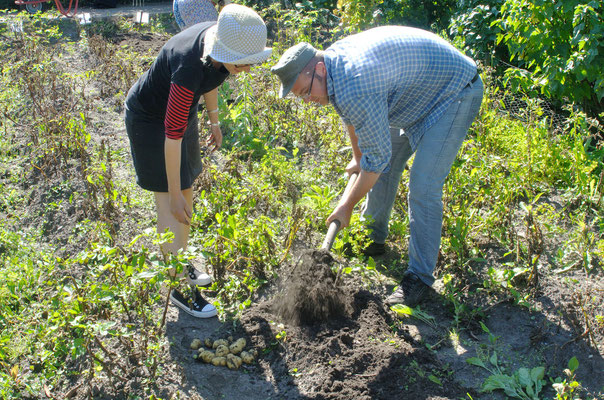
355,347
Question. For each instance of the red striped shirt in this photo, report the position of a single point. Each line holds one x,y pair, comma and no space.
177,113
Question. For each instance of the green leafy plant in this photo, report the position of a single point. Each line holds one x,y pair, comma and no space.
558,42
472,30
524,383
404,311
357,15
568,388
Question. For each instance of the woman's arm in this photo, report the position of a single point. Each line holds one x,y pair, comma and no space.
178,206
215,138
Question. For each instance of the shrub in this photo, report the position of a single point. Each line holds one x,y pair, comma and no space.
560,47
473,30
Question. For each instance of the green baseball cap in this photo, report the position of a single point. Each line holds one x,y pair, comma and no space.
291,63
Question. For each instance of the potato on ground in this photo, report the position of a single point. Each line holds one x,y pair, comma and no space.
220,342
195,344
247,357
206,356
222,351
219,361
238,346
233,362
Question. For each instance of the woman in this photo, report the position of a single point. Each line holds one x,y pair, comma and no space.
162,125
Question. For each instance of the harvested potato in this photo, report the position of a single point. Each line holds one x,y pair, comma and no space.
247,357
219,361
206,356
209,343
238,346
195,344
233,362
219,342
222,351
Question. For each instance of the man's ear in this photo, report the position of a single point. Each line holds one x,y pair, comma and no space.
321,69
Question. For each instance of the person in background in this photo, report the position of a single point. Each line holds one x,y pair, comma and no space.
400,91
190,12
162,124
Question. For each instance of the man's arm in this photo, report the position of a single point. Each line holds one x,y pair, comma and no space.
355,164
361,187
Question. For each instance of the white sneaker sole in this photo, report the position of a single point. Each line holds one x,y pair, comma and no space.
208,311
202,280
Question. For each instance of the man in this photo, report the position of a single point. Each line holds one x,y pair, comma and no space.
400,91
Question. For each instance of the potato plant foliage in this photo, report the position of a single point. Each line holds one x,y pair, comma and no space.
89,311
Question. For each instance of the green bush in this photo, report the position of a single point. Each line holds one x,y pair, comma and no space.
358,15
559,46
434,15
472,29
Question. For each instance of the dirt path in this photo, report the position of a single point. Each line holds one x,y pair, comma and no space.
123,10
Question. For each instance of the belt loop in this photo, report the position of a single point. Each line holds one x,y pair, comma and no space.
471,83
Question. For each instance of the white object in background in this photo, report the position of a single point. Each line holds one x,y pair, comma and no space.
16,27
84,18
141,17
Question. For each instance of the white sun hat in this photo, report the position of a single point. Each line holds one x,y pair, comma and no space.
239,37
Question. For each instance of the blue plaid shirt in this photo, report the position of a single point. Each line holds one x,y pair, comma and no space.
393,76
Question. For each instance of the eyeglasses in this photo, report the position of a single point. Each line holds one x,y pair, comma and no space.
312,80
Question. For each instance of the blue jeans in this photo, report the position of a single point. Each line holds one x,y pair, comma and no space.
434,157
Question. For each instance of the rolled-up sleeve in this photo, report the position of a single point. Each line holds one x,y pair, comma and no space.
369,116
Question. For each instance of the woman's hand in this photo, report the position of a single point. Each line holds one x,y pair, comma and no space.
180,209
214,141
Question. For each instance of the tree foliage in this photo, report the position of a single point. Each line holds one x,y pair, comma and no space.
357,15
472,28
560,44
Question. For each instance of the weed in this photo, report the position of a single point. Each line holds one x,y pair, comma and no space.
525,384
568,388
404,311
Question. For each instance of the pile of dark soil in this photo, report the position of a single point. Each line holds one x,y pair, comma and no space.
312,293
338,341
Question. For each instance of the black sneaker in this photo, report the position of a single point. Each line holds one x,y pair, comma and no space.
375,249
410,292
196,306
194,277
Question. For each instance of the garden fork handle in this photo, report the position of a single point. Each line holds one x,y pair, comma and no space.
334,226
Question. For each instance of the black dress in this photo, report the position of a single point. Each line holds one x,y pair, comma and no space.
179,62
